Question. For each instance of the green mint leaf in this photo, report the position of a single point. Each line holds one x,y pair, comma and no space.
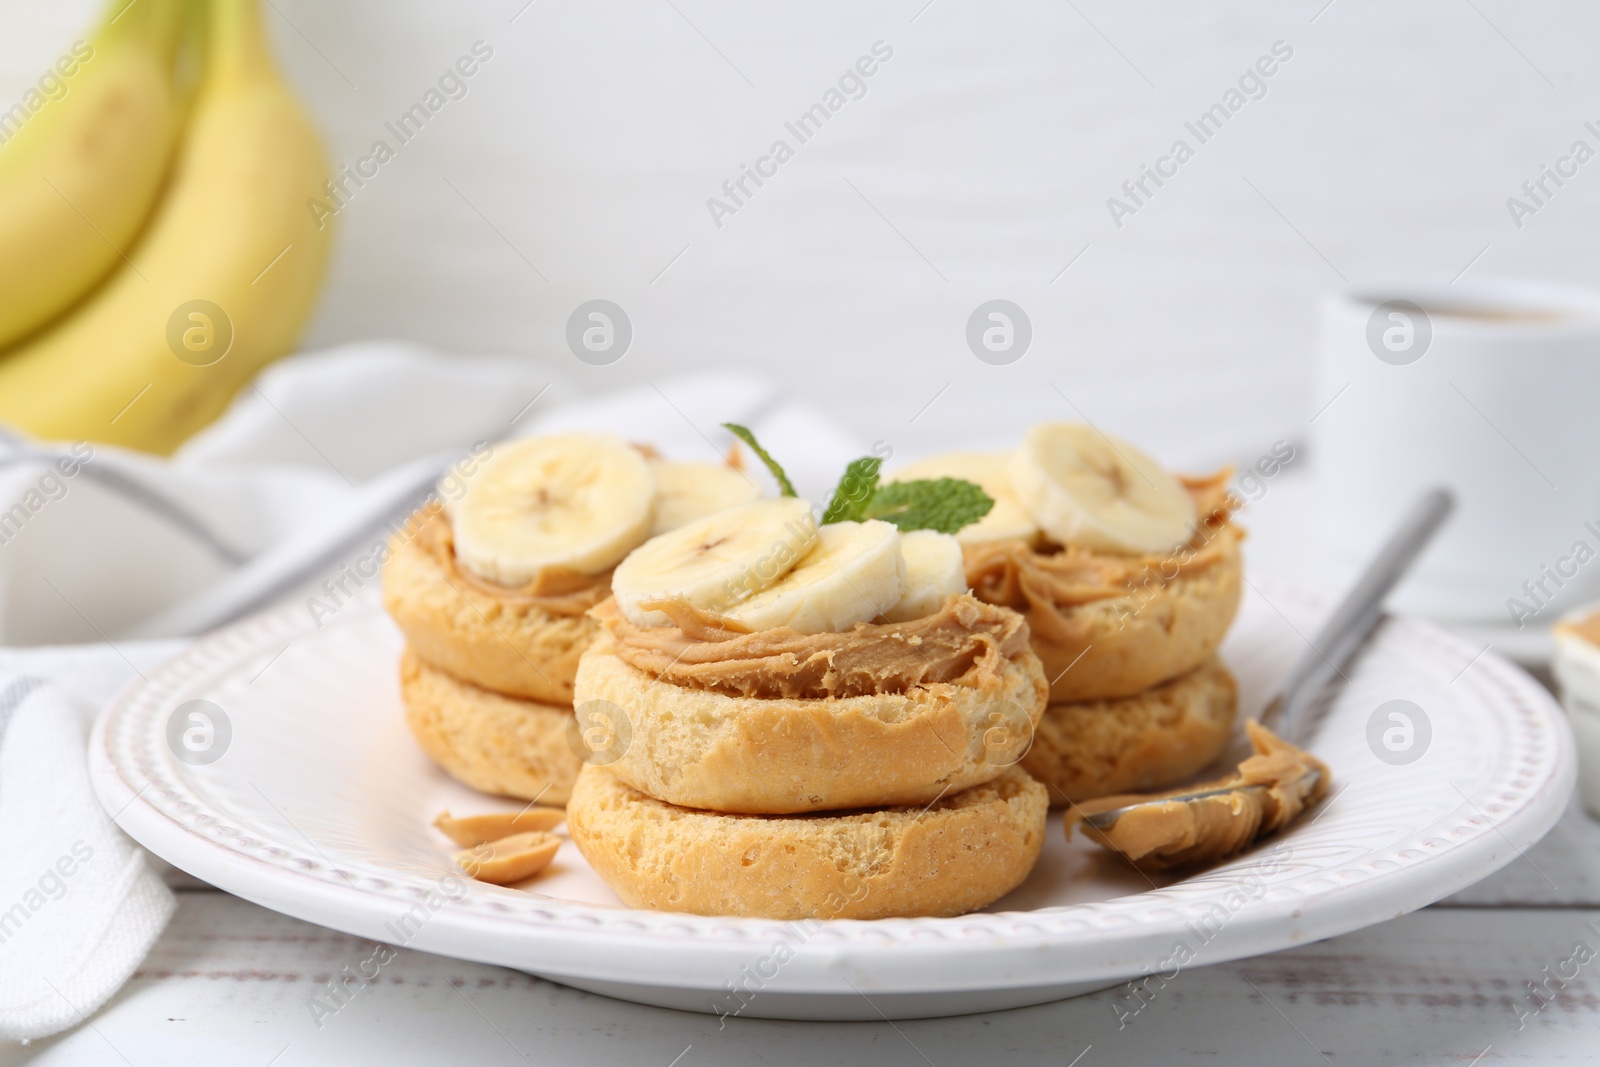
943,504
854,491
743,434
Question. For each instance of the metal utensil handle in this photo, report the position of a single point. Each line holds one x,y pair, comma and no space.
1361,608
299,559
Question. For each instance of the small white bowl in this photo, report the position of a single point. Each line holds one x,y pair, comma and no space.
1576,665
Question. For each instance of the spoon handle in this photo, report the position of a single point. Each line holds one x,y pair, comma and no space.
1360,609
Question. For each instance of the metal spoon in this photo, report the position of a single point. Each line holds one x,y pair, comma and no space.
1344,632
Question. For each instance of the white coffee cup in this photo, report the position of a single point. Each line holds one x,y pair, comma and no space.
1491,388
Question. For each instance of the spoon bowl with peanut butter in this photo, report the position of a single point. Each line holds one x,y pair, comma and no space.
1278,780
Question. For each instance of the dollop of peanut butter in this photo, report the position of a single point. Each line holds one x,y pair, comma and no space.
965,642
554,592
1266,793
1021,576
1587,628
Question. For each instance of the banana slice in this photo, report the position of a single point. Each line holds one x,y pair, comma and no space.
934,571
853,575
716,562
1007,520
1088,489
688,491
576,502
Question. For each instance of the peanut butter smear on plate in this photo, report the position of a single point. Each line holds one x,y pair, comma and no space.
1267,793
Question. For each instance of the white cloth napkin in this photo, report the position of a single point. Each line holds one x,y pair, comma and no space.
95,541
78,906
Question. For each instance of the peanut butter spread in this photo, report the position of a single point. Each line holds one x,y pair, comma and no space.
1266,793
1017,575
966,642
556,593
1588,628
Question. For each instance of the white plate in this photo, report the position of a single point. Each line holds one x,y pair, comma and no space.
320,808
1533,647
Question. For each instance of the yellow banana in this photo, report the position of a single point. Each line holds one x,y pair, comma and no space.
82,159
220,283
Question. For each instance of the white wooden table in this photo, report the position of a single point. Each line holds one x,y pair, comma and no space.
230,983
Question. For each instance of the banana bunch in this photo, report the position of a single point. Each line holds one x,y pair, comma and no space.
155,245
78,182
1073,485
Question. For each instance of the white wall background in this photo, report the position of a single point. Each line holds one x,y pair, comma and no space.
589,143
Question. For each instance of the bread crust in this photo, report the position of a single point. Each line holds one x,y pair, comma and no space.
958,854
1118,646
505,642
494,743
1148,741
699,748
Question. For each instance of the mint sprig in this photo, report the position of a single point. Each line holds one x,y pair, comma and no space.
785,487
854,491
943,504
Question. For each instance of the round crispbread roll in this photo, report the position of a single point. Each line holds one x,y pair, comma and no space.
699,748
503,641
1122,645
958,854
1152,740
495,743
